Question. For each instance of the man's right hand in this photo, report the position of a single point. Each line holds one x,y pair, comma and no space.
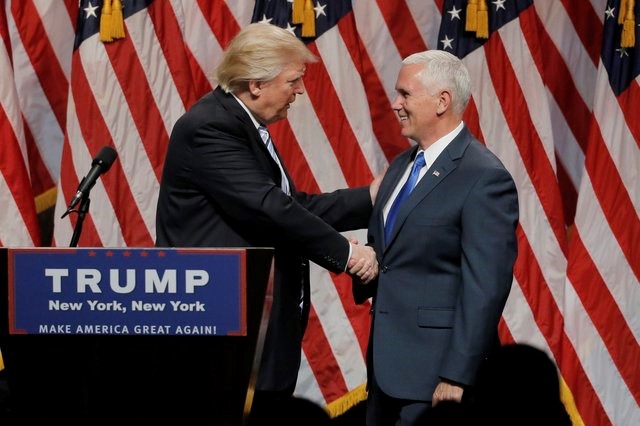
363,263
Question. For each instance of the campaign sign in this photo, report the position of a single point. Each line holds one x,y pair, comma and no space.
124,291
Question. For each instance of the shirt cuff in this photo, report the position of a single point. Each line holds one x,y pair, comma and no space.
346,265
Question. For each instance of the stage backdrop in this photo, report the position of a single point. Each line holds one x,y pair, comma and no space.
555,96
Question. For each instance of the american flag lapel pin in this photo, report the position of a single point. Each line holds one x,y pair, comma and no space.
436,173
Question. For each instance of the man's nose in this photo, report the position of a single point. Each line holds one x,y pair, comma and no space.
397,104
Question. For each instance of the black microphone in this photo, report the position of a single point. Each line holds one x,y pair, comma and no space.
100,164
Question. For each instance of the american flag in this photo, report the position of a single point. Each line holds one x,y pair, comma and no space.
555,96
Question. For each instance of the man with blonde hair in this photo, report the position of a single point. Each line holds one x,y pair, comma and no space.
224,185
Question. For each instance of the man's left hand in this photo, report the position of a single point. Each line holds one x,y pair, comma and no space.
447,392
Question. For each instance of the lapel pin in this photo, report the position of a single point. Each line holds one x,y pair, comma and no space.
436,173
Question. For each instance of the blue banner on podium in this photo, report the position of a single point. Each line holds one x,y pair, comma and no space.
126,291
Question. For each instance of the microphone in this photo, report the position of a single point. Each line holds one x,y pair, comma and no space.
100,164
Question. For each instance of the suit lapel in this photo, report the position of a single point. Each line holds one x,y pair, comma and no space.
392,176
446,163
234,108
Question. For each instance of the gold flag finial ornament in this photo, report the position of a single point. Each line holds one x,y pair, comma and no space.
105,22
628,36
623,8
471,21
483,20
117,19
111,21
309,23
297,12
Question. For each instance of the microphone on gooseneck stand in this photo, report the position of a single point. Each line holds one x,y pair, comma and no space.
100,164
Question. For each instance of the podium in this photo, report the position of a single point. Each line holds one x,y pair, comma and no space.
99,335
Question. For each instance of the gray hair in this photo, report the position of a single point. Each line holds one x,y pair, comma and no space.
259,52
448,71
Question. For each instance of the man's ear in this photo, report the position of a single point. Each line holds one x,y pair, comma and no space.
255,87
444,102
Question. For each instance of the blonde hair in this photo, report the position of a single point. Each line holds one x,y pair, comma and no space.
259,52
447,70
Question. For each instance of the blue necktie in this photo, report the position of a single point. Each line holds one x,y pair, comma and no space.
402,195
266,138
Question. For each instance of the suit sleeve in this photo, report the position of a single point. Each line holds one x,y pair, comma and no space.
489,249
227,169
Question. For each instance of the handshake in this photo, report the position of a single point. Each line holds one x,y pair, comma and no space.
362,263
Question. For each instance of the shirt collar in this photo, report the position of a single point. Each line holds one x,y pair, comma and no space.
433,151
251,116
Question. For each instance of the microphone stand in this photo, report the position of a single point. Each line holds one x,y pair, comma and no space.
82,212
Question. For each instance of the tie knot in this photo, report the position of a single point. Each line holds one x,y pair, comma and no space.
419,162
264,133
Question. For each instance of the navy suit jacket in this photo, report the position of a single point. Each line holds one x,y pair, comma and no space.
221,188
446,272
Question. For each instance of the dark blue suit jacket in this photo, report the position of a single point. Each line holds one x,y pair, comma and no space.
221,188
446,272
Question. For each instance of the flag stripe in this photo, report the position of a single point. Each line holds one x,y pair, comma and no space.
629,104
400,23
293,156
42,57
45,123
603,310
219,16
167,30
18,218
588,24
385,126
323,363
549,319
611,190
562,87
526,138
335,125
333,50
18,223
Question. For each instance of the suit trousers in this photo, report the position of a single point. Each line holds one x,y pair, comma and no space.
384,410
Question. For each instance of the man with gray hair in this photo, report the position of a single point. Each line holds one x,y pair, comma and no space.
225,185
444,228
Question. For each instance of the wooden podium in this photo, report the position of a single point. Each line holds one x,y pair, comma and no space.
83,347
